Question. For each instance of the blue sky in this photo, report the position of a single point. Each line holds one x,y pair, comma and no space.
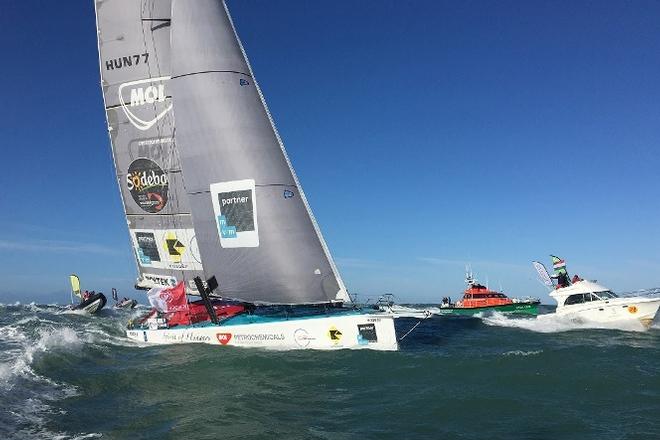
426,135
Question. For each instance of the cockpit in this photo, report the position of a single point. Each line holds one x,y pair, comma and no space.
580,298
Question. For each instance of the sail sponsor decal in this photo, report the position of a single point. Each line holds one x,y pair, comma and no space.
154,141
141,98
235,210
146,248
366,334
159,280
148,185
174,249
302,337
127,61
334,334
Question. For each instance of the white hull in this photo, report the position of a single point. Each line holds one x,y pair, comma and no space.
607,308
615,311
357,331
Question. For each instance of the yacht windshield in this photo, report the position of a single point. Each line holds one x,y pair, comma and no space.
606,294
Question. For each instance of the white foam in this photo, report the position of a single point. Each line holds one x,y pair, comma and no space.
522,353
553,323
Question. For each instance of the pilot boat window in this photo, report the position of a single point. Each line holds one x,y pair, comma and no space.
578,298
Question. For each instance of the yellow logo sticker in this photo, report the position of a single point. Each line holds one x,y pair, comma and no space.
632,309
334,334
174,247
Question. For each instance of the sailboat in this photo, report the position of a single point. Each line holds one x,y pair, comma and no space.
208,189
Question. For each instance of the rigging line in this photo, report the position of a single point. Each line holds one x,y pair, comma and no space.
211,71
428,315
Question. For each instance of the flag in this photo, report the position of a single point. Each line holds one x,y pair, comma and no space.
558,265
557,262
543,273
169,299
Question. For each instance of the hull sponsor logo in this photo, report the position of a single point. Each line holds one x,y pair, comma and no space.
223,338
258,337
302,337
632,309
143,92
127,61
334,334
235,212
148,185
186,337
366,334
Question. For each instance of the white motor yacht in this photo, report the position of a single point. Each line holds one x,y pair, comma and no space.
596,303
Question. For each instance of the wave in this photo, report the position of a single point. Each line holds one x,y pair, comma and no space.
32,336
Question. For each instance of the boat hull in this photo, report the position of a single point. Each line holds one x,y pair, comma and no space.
126,305
516,308
93,304
620,310
354,331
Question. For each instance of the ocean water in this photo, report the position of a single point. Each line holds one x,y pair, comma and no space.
74,376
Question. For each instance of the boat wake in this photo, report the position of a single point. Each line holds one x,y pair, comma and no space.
409,312
552,323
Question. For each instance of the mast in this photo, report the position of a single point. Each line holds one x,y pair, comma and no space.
256,232
134,61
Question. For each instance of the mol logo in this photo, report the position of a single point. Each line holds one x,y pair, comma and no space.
223,338
146,91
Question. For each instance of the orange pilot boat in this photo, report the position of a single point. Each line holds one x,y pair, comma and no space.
478,298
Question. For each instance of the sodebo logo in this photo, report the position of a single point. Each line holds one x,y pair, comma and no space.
145,91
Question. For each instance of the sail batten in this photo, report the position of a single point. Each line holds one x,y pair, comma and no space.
256,232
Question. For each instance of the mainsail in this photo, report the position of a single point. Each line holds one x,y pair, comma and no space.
134,56
254,227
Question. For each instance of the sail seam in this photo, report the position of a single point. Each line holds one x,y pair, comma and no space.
211,71
258,185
